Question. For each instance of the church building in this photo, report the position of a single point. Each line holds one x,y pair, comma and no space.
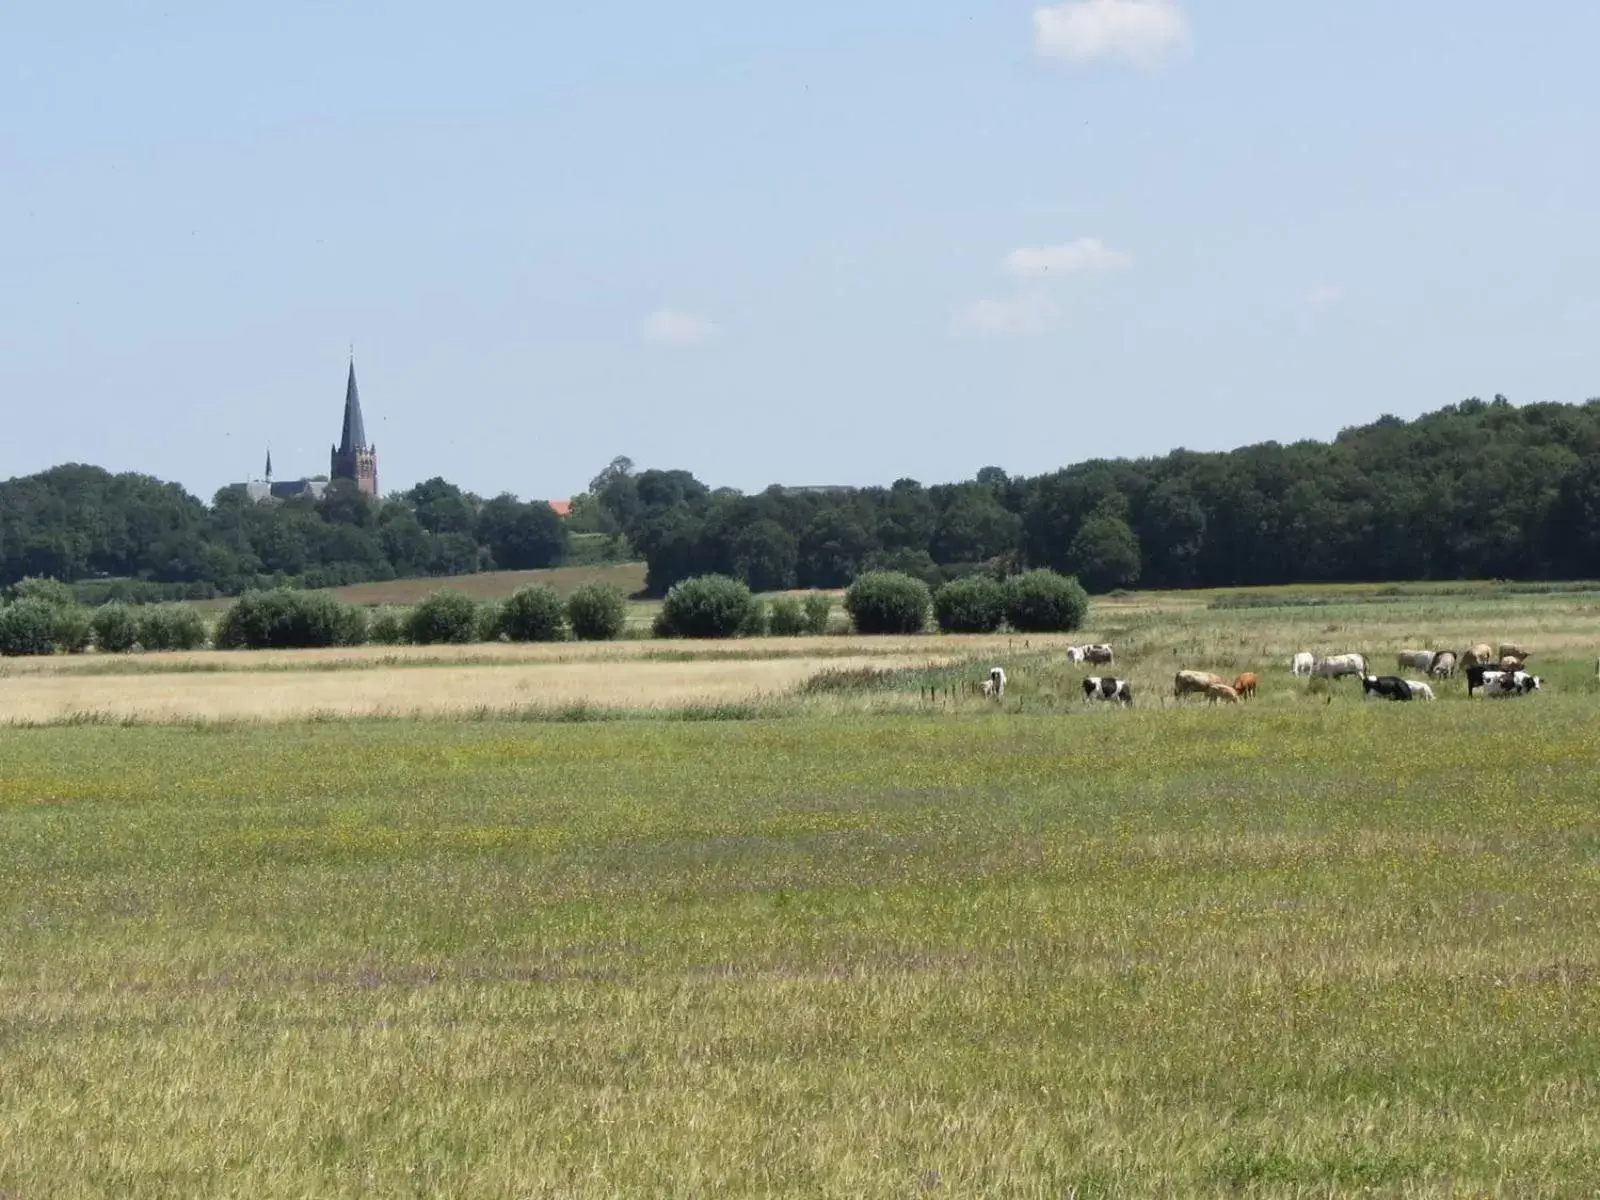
354,458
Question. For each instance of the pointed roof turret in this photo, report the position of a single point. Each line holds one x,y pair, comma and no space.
269,464
354,436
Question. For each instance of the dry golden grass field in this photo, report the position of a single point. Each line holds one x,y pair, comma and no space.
638,685
504,679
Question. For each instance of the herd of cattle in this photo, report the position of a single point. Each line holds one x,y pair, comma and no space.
1501,675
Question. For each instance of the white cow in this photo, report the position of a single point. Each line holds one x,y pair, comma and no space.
995,685
1340,665
1415,660
1303,664
1420,691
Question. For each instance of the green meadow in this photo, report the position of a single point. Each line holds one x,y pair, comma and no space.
1292,950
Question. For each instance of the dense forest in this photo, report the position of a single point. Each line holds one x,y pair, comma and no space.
1476,490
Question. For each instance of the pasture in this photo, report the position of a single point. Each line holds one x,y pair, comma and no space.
841,940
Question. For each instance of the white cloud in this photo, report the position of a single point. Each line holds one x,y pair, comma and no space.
1139,31
668,327
1085,254
1324,295
1026,312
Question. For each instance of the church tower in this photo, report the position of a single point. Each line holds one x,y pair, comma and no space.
353,458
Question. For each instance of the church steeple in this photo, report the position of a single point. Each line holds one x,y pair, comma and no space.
268,475
353,458
354,436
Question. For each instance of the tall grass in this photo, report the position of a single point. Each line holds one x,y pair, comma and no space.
1314,951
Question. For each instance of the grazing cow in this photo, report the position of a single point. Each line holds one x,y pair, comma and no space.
1494,682
1503,684
995,685
1221,693
1103,687
1416,660
1246,685
1481,655
1511,663
1385,687
1340,665
1511,650
1099,654
1421,691
1303,664
1197,682
1444,665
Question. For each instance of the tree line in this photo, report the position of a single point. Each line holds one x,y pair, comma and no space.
1477,490
80,523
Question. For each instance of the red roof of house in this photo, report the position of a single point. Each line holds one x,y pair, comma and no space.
563,508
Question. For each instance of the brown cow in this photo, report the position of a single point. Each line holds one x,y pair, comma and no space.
1221,693
1246,685
1481,655
1187,682
1520,653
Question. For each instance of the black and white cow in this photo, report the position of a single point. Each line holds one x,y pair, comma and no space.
1099,654
1502,684
1496,682
1385,687
1098,687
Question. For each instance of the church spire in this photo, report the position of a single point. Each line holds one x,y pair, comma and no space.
269,464
354,436
354,458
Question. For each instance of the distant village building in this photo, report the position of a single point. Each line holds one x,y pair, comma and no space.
268,488
354,459
563,508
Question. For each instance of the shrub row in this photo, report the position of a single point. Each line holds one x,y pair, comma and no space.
283,618
883,602
715,606
35,626
42,619
879,602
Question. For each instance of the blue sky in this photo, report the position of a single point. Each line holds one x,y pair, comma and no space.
820,243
